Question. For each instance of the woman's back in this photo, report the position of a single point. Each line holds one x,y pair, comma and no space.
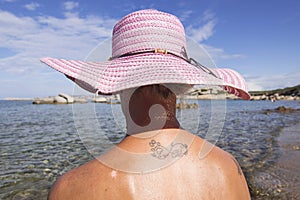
213,176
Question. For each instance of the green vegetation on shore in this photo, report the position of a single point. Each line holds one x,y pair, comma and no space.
288,91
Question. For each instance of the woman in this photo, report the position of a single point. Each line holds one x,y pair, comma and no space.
157,159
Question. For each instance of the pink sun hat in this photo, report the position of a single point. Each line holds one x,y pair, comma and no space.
148,47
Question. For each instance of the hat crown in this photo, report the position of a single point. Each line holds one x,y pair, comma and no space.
148,30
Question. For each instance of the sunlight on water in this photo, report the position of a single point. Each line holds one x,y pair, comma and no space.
40,142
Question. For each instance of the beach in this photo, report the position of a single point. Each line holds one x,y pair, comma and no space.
288,165
281,178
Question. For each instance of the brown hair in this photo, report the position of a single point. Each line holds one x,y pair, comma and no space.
158,89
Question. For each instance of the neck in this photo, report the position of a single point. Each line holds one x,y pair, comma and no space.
149,108
149,116
156,123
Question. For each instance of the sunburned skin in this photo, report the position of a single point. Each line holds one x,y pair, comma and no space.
157,163
238,166
215,176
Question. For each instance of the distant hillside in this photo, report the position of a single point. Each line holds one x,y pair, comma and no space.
289,91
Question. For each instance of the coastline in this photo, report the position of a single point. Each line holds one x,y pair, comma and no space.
288,93
282,179
105,99
287,167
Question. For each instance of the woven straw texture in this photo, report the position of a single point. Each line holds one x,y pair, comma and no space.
142,31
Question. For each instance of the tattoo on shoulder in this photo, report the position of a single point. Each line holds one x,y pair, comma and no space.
176,150
238,166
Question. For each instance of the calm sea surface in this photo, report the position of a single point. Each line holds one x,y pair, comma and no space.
38,143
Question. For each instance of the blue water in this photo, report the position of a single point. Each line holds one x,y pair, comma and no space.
38,143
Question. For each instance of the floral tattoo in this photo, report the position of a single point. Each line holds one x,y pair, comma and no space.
176,150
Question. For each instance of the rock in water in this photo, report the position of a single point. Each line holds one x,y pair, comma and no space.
100,100
68,98
59,99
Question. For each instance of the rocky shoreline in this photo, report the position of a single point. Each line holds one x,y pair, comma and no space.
62,98
291,93
274,97
67,99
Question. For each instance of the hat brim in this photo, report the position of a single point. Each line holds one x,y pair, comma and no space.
113,76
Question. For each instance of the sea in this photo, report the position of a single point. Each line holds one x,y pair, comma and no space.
38,143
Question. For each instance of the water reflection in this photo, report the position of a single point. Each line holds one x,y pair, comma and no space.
40,142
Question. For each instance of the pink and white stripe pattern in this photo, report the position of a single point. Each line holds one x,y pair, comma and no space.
137,32
148,30
233,82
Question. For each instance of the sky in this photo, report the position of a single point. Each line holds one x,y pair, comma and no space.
259,39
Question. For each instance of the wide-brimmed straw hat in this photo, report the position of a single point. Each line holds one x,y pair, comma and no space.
148,47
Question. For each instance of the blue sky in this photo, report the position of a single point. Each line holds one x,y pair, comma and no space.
260,39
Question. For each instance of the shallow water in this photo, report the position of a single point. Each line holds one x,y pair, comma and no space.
38,143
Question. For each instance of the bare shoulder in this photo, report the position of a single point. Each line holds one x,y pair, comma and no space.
228,171
60,188
236,184
78,183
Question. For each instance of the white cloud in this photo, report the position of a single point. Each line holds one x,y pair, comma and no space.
73,37
208,15
70,5
271,82
32,38
201,33
205,29
32,6
219,53
185,15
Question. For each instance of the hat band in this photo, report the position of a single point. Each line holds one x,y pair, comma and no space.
164,51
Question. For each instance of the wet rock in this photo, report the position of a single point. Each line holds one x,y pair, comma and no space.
46,100
266,185
45,161
113,102
283,109
279,190
280,109
59,99
109,100
100,100
31,166
263,97
80,100
296,147
68,98
255,98
184,105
